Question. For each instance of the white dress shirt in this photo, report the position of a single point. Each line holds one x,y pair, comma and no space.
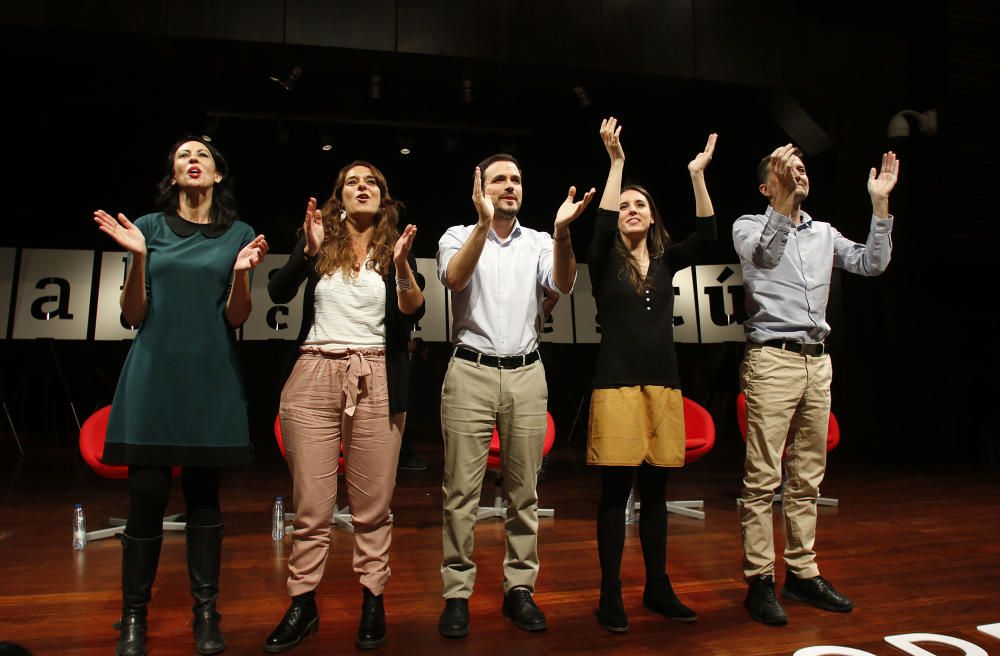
500,311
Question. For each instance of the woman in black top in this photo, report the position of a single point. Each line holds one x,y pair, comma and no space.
637,413
348,387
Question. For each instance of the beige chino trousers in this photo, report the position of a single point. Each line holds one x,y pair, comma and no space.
788,412
474,399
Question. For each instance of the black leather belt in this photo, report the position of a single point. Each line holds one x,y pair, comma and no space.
802,348
504,362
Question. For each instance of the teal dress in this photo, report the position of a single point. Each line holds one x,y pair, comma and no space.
180,398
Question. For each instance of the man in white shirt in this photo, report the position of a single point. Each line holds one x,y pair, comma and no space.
497,271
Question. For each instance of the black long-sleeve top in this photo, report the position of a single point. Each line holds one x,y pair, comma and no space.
285,282
637,330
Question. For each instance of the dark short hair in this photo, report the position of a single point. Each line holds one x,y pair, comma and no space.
499,157
764,166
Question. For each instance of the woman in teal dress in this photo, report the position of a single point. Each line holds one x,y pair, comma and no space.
179,400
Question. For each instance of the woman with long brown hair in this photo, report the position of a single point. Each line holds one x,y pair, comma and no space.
636,412
348,388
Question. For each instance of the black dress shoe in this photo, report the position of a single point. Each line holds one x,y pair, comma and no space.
371,628
761,602
611,610
659,597
520,607
816,591
300,620
454,622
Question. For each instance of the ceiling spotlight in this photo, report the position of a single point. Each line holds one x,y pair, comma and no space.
581,96
375,86
405,146
467,91
289,80
326,140
899,126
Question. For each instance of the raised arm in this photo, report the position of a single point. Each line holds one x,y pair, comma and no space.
462,264
610,134
696,167
563,258
284,283
133,301
408,292
238,304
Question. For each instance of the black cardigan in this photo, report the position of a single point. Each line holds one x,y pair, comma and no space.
637,344
285,282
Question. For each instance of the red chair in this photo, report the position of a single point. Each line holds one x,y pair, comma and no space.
341,516
832,440
92,435
699,438
493,464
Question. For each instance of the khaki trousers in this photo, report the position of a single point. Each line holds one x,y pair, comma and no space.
474,398
788,410
328,399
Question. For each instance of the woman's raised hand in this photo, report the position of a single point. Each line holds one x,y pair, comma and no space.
122,231
402,248
610,134
701,160
252,254
312,228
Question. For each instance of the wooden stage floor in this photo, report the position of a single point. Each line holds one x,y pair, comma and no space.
918,549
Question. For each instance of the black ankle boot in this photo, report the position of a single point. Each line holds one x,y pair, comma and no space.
611,611
204,552
140,558
301,619
371,629
659,597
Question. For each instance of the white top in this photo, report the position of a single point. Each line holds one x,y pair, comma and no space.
349,312
500,311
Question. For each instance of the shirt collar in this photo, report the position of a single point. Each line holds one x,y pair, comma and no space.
184,228
515,232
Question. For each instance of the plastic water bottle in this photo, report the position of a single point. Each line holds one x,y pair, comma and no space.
79,527
278,519
630,508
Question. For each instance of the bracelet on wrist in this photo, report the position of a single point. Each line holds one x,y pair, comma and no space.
403,284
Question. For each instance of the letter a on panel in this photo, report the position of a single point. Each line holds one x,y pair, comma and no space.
53,295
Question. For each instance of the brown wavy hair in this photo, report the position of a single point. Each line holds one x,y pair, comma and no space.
657,240
336,251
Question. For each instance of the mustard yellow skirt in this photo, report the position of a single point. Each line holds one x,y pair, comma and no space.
629,425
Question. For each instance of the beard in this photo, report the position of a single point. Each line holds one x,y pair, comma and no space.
505,213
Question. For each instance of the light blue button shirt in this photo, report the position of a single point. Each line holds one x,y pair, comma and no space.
787,269
500,311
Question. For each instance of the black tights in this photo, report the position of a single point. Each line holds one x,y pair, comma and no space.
149,491
616,483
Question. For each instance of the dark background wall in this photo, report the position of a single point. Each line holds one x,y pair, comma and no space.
97,91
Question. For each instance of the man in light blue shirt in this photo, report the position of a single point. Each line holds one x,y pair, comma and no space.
497,271
787,259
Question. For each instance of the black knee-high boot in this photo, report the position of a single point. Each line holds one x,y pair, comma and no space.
140,557
204,552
